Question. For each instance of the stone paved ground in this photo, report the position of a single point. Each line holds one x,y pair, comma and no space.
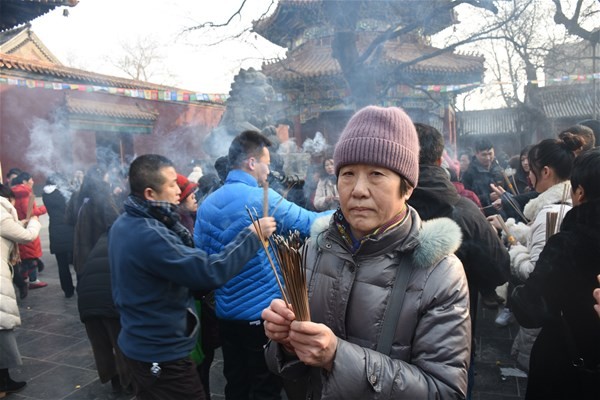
58,361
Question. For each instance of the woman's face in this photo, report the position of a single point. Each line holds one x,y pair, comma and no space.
329,167
190,204
369,197
525,163
464,162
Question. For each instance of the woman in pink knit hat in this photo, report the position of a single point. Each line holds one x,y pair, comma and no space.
389,307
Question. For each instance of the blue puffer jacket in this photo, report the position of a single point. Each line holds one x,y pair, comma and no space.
221,217
152,272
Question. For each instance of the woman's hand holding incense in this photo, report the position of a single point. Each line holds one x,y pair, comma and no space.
278,319
267,226
315,344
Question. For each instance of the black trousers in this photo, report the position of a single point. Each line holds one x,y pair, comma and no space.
244,365
64,273
178,380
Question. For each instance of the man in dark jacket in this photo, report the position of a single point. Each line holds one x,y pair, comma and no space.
483,170
484,257
153,267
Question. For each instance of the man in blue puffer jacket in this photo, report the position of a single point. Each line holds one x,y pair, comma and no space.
153,266
240,302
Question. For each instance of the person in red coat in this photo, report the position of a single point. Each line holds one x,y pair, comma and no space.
30,253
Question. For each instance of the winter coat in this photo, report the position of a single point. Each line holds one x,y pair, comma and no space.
11,233
22,193
477,179
562,282
523,258
61,233
326,187
482,253
221,217
152,272
91,220
350,294
94,290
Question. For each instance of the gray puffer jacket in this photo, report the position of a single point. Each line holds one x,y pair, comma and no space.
350,293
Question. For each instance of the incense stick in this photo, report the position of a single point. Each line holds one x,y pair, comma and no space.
551,222
265,199
563,200
30,207
512,203
509,236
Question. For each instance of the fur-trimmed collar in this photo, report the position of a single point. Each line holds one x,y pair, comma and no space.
436,238
552,195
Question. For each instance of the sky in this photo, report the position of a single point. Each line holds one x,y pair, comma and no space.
95,32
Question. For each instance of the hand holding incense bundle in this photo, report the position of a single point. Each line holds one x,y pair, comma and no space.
293,269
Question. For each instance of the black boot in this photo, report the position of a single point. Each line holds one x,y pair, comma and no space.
7,385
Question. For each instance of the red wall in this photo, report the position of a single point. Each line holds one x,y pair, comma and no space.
32,140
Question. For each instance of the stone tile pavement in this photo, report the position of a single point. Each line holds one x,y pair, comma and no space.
58,361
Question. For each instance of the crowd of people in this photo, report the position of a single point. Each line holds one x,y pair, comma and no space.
401,244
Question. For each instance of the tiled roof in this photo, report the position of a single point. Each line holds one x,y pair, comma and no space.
576,100
292,17
487,122
13,41
109,110
16,12
314,59
24,67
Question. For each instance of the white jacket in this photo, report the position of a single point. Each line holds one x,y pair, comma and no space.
532,238
11,232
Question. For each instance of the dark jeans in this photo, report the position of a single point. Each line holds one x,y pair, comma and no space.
64,273
244,365
178,380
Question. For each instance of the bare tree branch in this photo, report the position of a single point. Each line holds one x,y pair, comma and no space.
572,24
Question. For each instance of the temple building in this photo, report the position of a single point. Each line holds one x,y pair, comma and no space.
408,71
58,118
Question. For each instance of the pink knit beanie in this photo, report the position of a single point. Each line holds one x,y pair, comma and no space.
380,136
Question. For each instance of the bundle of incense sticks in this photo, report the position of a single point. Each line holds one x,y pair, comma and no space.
506,180
553,218
509,236
290,259
265,243
551,222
